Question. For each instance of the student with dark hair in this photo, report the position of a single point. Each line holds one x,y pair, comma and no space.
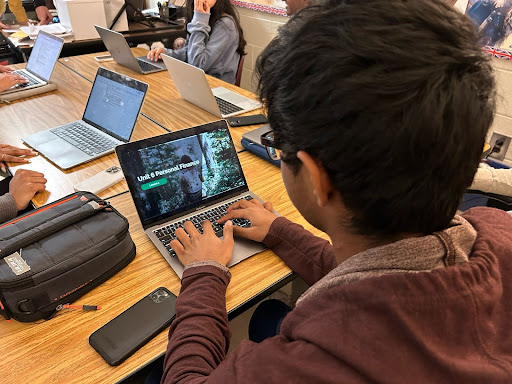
380,109
215,39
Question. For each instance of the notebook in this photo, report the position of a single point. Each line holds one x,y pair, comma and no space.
41,62
193,87
122,54
108,120
193,174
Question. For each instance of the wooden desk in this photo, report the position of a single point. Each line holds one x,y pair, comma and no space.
163,102
57,351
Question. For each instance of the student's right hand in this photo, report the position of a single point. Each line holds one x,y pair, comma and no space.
24,185
44,15
7,80
260,215
154,54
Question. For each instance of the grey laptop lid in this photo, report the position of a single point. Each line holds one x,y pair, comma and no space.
122,54
193,87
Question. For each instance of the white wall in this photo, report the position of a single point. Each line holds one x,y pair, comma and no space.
259,29
503,119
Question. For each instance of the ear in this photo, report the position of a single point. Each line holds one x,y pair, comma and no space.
320,181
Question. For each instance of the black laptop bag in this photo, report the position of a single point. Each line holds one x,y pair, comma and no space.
57,253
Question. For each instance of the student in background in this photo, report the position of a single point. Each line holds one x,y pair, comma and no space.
380,109
215,39
24,184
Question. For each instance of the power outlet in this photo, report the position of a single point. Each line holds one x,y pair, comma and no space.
499,144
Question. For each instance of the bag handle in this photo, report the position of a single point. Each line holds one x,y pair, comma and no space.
21,240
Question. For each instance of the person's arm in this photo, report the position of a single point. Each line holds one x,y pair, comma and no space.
180,54
307,255
8,208
204,49
199,336
42,12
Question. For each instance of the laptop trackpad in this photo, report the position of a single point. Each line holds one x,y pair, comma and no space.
61,152
245,248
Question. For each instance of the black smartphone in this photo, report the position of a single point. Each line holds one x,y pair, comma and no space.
240,121
125,334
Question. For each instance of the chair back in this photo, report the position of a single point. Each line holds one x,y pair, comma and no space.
239,70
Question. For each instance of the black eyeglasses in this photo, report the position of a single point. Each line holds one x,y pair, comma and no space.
274,152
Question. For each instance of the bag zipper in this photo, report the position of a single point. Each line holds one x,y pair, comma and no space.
28,281
50,230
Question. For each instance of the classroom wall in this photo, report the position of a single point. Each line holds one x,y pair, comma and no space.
503,119
259,29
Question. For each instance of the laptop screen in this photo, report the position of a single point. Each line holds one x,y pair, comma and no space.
171,174
114,103
44,55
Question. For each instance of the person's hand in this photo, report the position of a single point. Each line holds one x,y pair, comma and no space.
9,79
260,215
193,246
15,154
44,15
24,185
154,54
201,6
4,69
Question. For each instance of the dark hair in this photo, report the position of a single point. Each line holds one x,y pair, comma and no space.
185,159
394,97
221,8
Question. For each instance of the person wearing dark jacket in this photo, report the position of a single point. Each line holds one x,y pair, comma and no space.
379,110
42,12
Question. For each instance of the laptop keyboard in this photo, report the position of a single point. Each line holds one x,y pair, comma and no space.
146,67
31,80
84,138
166,234
226,107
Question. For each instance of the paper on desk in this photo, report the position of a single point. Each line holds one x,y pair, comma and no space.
10,30
54,29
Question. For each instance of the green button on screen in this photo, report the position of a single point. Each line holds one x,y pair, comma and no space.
153,184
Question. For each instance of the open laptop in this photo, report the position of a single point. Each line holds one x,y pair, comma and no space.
193,174
193,87
108,120
122,54
41,62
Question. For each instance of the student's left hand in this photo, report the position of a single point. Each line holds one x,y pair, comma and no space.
201,6
193,246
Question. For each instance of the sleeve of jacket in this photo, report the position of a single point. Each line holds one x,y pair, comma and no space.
38,3
204,48
306,254
180,54
7,208
199,335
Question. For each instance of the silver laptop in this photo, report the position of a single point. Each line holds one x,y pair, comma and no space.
193,174
193,87
41,62
109,119
122,54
